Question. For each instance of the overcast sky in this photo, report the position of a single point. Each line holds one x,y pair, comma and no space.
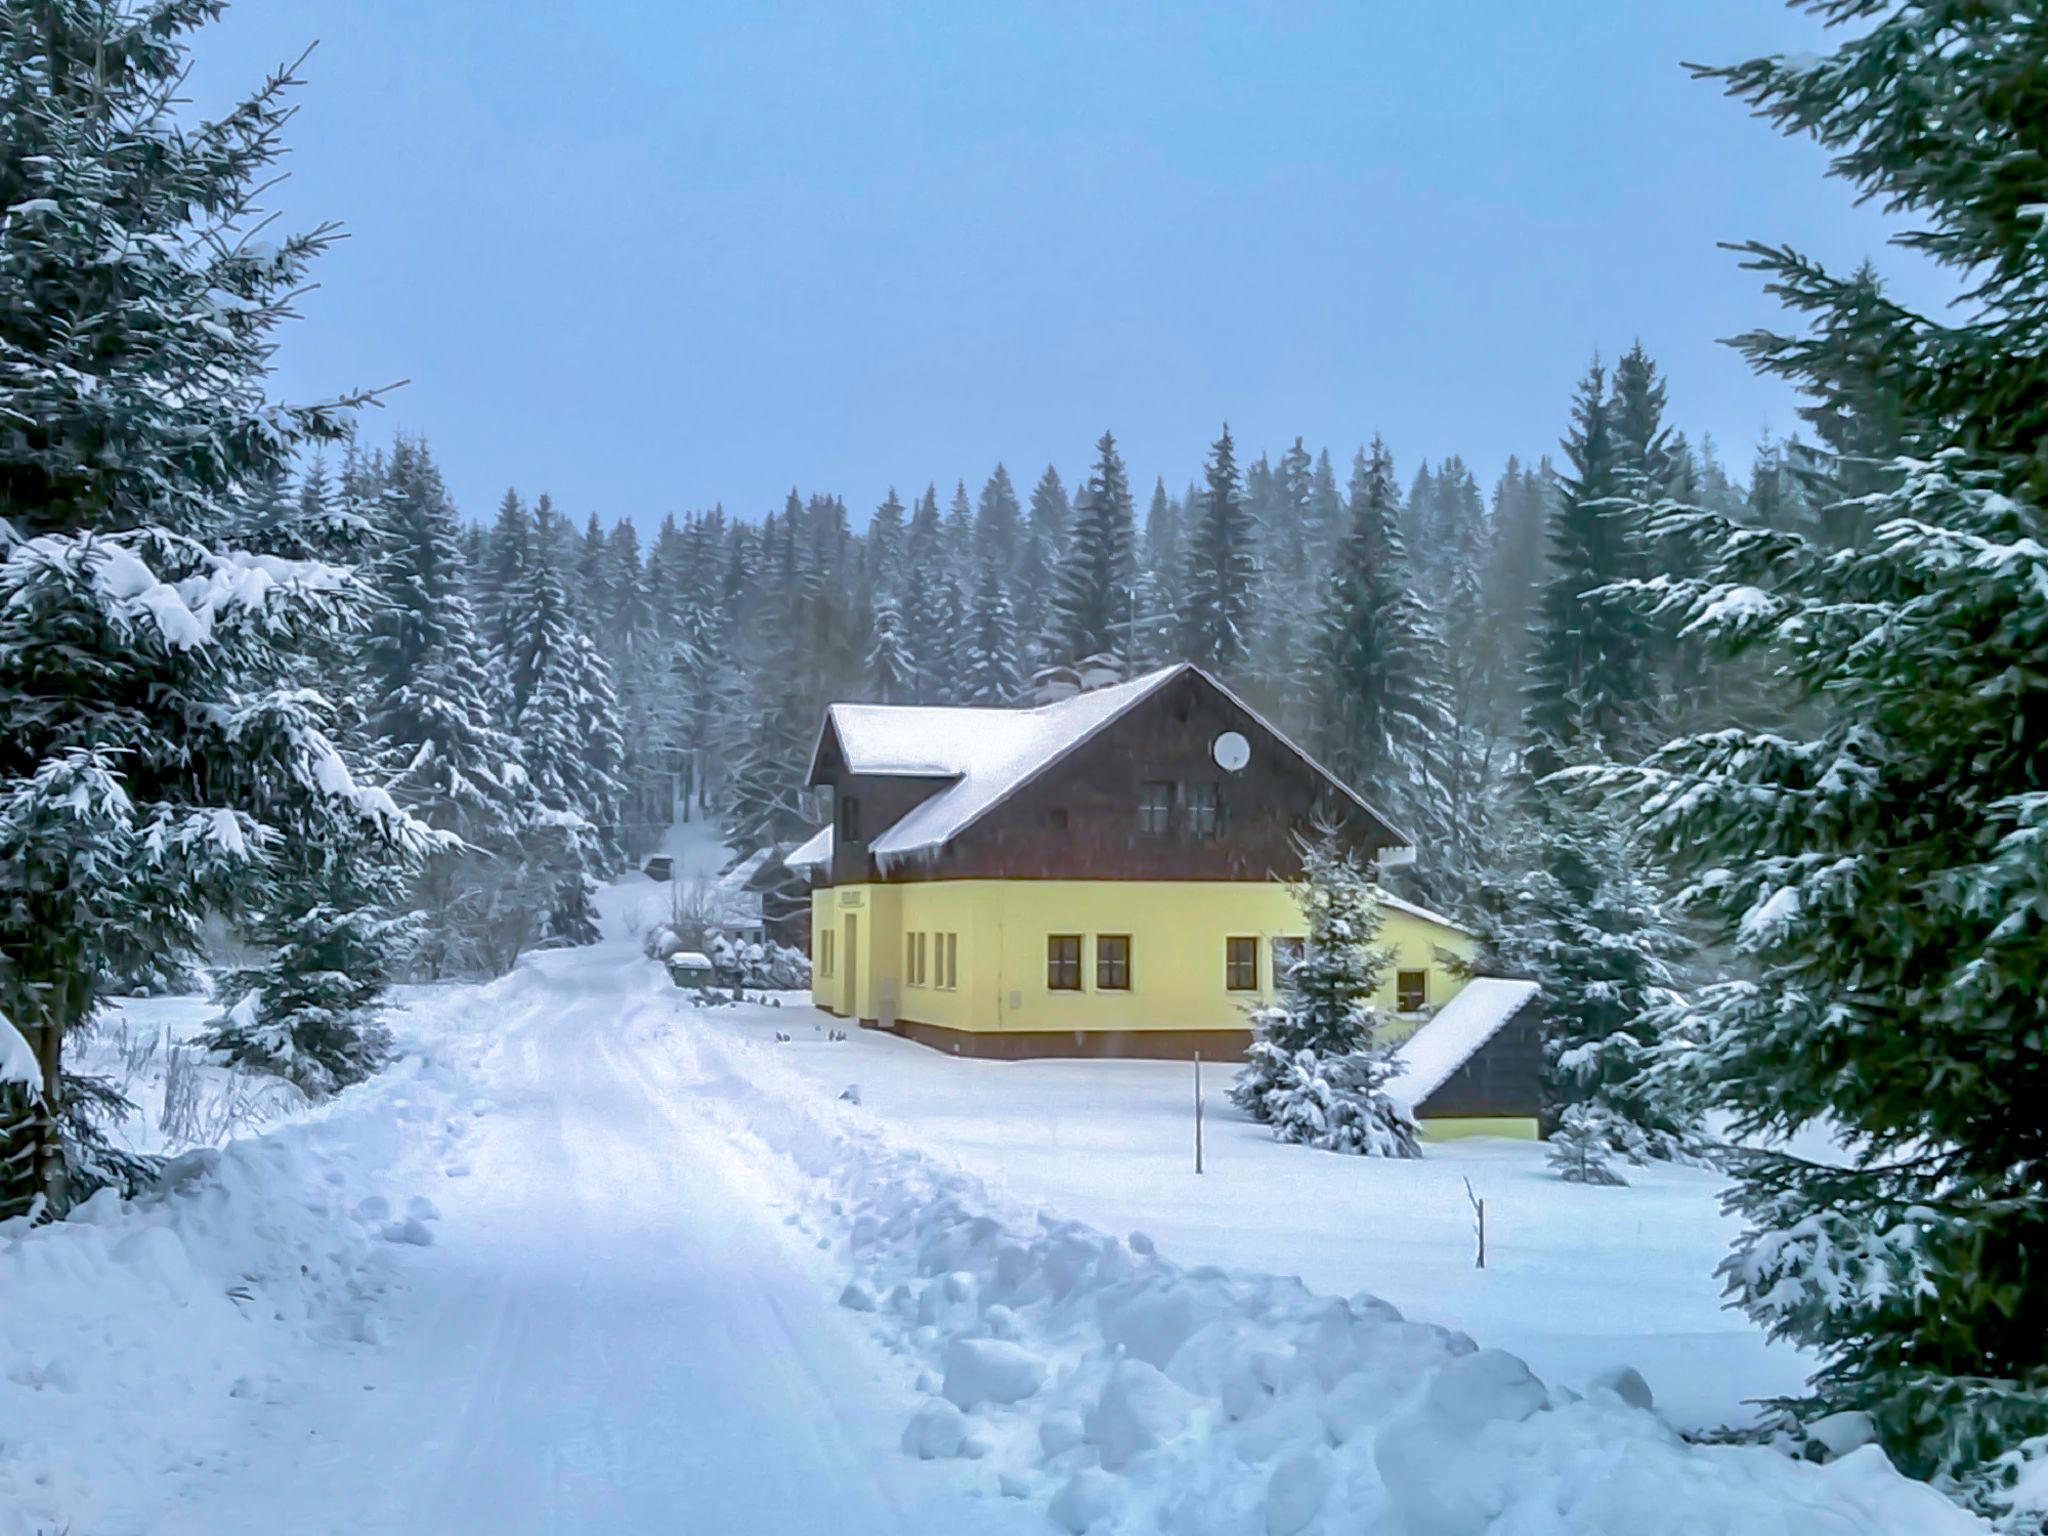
647,256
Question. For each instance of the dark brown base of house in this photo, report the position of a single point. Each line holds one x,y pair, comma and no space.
1094,1044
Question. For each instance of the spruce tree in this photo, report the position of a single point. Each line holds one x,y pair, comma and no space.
989,672
1217,587
1313,1070
999,525
1096,570
152,764
1045,544
1588,687
428,712
1381,692
891,671
1877,866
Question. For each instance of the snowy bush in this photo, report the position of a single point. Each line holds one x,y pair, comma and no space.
771,967
1339,1103
1586,1142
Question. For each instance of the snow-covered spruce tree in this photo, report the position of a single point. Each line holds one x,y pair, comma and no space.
1381,706
1586,1142
890,671
151,764
1589,673
1221,572
332,921
1577,906
1881,868
1313,1071
330,913
1093,579
990,675
428,715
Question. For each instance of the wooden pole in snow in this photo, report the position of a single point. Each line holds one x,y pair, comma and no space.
1198,1111
1479,1207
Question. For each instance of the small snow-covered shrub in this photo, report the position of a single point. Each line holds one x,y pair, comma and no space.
1339,1103
1587,1141
772,967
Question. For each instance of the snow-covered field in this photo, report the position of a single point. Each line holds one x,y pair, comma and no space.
591,1260
1578,1278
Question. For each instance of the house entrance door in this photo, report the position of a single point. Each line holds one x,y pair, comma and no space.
849,999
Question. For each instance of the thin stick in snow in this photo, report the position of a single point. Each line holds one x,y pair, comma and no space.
1479,1210
1198,1111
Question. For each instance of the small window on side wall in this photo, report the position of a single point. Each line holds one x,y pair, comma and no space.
1112,962
1241,965
1411,991
1205,810
849,819
1063,962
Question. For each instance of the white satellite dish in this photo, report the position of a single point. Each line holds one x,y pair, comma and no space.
1231,751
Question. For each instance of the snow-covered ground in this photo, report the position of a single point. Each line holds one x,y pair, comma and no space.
591,1259
1578,1278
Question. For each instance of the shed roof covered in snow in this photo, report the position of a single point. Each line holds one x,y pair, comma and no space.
1461,1029
980,757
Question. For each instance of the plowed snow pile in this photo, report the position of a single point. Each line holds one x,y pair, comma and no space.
1123,1392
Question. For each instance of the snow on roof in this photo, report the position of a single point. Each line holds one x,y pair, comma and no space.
812,851
1389,899
734,880
988,753
1464,1024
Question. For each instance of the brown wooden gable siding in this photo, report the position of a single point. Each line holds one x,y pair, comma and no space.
1078,820
885,799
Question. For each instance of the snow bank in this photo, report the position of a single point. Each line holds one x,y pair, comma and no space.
1121,1391
138,1332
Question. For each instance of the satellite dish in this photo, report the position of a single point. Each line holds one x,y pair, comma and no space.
1231,751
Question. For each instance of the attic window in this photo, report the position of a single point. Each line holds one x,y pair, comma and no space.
1155,807
1205,810
849,820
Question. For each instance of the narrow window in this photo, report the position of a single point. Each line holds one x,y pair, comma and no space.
1241,965
952,959
1113,962
922,955
1205,810
849,820
1411,991
1063,962
1155,807
1287,953
910,959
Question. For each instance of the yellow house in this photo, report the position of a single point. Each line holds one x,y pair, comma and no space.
1101,876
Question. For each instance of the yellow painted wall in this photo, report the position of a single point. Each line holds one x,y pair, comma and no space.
1457,1127
1177,931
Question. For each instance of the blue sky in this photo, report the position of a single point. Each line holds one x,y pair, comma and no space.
650,256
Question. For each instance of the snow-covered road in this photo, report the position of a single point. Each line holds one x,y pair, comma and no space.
614,1332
